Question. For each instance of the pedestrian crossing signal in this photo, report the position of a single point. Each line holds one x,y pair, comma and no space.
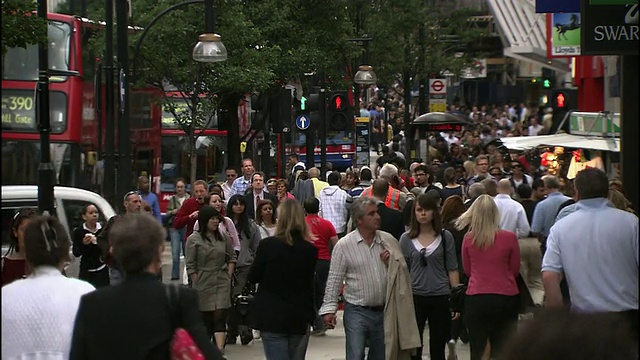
560,100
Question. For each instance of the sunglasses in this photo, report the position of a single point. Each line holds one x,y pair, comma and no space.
423,257
516,166
129,194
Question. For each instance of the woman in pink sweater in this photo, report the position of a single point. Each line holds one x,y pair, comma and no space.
491,259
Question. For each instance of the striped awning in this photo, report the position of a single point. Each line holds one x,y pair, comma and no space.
523,32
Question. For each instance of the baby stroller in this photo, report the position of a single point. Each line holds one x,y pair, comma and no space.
240,305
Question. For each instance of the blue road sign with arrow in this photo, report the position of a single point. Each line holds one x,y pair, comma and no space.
303,122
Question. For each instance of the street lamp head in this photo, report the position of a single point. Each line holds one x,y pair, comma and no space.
209,49
365,75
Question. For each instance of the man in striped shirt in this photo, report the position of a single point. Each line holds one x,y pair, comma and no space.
360,260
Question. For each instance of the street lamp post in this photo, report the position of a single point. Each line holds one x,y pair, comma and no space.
45,168
366,76
209,48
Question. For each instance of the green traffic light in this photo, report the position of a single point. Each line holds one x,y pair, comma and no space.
303,102
546,83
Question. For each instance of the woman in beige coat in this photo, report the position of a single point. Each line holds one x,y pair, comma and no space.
210,262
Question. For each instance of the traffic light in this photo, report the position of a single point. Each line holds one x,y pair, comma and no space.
560,100
304,107
563,101
280,111
548,76
339,112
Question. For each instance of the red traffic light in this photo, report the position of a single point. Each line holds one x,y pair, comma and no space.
339,102
560,99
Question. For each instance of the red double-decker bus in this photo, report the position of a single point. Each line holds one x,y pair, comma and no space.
74,101
211,145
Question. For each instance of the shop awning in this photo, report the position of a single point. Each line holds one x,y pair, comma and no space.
523,32
564,140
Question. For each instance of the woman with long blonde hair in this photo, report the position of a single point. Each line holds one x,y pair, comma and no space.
284,268
491,259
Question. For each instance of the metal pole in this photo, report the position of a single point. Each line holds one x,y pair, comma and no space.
323,132
98,90
310,135
422,86
209,17
110,128
125,180
45,168
629,128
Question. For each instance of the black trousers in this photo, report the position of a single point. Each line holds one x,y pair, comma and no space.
321,276
235,318
215,321
435,309
490,317
96,278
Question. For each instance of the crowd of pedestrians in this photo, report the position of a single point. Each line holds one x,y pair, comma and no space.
276,259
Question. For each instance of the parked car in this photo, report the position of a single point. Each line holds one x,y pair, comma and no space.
68,203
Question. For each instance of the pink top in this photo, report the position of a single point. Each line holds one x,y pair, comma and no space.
289,196
226,227
494,269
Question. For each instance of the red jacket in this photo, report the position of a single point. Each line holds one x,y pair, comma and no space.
182,217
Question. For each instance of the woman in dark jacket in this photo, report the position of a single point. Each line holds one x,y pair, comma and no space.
284,269
135,319
92,269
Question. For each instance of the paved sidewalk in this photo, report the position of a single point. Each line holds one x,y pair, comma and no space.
329,347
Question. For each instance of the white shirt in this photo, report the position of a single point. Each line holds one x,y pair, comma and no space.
38,315
534,130
512,215
360,267
226,189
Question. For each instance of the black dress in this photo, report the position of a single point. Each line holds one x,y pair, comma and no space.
92,268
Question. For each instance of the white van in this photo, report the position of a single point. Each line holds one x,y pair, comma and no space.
70,200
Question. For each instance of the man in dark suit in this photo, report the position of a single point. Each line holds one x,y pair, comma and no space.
258,193
390,219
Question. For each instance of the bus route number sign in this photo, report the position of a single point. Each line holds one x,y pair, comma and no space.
18,112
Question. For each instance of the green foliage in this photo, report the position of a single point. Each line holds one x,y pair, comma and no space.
20,26
396,48
92,7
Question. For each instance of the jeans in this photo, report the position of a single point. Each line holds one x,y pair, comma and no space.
177,247
284,346
361,323
115,276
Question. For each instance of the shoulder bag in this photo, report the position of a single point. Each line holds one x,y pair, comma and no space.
182,346
167,220
458,292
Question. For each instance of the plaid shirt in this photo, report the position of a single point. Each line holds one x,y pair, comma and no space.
333,207
240,185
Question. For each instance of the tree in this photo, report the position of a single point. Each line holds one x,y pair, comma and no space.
402,52
266,49
20,26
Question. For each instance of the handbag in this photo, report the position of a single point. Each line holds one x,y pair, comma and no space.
182,346
167,220
458,292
